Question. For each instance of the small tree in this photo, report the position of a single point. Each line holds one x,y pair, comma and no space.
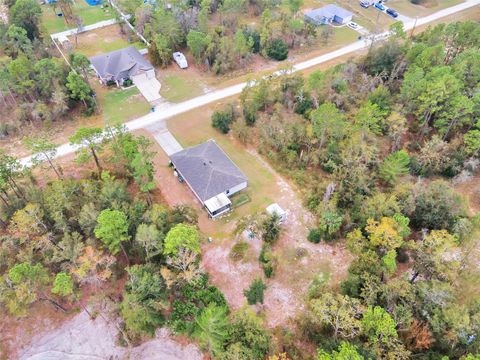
112,230
270,228
222,120
79,89
63,284
394,166
278,50
254,293
181,236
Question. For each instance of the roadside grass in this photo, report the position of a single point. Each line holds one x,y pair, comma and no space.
177,86
89,15
121,105
102,40
405,7
194,127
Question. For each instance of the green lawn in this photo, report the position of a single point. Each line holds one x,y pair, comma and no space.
121,105
89,15
405,7
179,86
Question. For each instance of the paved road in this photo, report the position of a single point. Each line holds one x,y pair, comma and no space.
165,111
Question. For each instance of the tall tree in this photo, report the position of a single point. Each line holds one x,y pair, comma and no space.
112,230
43,150
181,236
79,89
211,328
26,14
90,141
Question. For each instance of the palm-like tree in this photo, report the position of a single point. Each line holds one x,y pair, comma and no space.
211,328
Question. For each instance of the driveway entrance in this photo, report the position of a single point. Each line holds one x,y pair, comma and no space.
148,86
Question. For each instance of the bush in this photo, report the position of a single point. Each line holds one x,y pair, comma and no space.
267,260
239,250
314,236
278,50
437,206
304,106
254,294
111,83
127,82
250,115
271,228
221,120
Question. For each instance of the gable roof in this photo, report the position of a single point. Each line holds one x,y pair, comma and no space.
328,11
207,169
120,64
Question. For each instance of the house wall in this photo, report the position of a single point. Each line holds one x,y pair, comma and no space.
236,189
341,20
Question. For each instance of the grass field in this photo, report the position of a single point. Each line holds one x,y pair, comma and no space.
405,7
102,40
179,86
88,14
121,105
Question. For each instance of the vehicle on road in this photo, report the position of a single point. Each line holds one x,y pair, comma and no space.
353,25
392,13
365,3
379,6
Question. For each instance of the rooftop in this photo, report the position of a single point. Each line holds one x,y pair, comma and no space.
328,11
207,169
121,63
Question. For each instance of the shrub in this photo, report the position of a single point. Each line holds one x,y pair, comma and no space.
221,120
278,50
314,236
254,294
127,82
271,228
304,106
267,260
250,115
239,250
437,206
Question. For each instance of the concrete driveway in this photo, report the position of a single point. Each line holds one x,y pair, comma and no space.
165,139
150,88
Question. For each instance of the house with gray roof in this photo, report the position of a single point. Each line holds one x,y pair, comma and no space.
328,14
122,64
211,175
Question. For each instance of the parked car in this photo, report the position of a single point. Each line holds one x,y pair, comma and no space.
353,25
392,13
380,6
365,3
180,59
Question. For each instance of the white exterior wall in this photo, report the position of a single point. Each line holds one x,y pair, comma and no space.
237,188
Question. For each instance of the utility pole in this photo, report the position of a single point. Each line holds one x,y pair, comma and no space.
414,25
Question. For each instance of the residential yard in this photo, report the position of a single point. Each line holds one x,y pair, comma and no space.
99,41
120,105
179,85
89,15
298,260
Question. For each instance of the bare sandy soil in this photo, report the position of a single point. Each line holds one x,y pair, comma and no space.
299,261
83,338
